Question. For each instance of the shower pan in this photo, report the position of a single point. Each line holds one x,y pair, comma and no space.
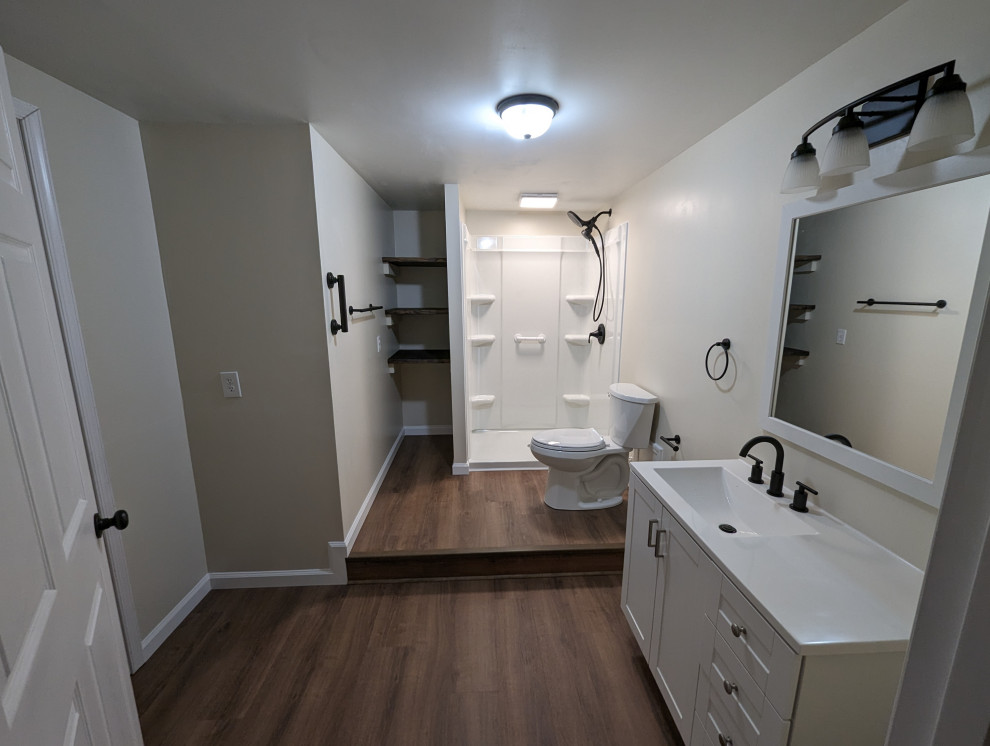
533,358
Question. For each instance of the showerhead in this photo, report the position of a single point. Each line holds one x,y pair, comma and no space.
587,225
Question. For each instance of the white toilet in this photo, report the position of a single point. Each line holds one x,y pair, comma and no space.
588,471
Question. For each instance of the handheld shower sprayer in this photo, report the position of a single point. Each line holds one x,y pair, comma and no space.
586,227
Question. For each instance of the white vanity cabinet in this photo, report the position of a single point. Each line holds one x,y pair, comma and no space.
666,585
724,668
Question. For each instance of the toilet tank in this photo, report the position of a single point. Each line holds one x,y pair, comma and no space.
632,415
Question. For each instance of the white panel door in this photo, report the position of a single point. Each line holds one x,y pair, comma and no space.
63,671
530,301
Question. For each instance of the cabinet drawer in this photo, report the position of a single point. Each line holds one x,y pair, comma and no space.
726,722
762,652
731,683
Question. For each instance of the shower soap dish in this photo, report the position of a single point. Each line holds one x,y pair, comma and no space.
577,400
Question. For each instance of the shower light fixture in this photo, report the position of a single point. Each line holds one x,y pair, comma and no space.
527,115
541,201
936,117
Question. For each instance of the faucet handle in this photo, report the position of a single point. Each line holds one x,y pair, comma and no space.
756,473
800,503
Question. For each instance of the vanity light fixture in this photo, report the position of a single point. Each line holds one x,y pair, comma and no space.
542,201
939,116
527,115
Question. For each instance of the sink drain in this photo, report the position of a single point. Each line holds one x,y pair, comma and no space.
728,528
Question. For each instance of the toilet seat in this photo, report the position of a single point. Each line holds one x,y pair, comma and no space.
570,440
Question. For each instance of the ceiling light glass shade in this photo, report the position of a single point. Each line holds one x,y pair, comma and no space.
545,201
527,115
848,150
946,119
802,171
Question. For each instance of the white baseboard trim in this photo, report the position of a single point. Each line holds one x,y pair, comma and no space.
336,574
174,618
369,499
506,466
460,470
428,430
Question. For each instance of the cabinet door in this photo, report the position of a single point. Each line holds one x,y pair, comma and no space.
639,572
680,614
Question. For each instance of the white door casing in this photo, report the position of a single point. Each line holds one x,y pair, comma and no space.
63,671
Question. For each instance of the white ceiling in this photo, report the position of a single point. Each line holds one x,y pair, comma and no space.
405,90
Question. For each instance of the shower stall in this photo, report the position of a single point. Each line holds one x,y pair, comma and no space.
530,364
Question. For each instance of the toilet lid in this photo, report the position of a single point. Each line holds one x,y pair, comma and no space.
571,439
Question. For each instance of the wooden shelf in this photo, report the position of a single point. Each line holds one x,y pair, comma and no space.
415,311
795,352
420,356
414,261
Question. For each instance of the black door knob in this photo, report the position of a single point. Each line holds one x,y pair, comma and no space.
119,521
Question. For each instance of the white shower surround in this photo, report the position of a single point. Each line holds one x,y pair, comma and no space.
528,363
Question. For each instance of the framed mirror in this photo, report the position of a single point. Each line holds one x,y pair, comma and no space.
879,295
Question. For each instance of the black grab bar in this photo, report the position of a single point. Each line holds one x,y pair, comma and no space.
338,280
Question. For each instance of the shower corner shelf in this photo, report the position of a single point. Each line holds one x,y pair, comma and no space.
482,340
581,340
481,299
795,352
480,401
580,300
577,400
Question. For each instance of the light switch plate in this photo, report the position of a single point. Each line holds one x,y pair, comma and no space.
230,384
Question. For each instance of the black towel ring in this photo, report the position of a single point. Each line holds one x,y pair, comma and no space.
724,344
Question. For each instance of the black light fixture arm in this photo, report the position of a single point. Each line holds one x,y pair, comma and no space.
948,68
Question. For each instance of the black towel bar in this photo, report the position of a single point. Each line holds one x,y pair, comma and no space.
370,309
871,302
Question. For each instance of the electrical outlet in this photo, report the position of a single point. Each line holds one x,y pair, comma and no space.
840,337
230,384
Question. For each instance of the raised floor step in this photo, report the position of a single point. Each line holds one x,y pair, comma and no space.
582,559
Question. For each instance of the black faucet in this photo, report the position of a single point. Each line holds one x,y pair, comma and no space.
598,334
776,488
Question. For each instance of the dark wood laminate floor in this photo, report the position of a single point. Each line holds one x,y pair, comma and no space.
421,506
469,662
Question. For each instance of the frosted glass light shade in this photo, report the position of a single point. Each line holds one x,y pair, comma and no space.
527,115
802,171
848,150
946,119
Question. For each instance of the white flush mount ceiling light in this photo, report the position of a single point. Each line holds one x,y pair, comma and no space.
527,115
541,201
936,118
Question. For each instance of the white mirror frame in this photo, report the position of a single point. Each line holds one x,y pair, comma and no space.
928,175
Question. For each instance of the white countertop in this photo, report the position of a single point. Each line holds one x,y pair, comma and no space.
832,592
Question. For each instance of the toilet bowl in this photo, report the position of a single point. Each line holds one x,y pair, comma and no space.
589,471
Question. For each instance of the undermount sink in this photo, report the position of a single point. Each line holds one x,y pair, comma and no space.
727,500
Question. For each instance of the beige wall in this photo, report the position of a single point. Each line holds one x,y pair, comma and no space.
355,232
425,389
105,207
703,239
237,228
